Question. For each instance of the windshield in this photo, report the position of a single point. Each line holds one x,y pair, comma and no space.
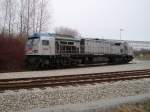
33,41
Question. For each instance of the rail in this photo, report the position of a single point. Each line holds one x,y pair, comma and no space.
53,81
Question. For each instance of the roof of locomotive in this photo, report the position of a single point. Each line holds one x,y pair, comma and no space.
53,35
69,37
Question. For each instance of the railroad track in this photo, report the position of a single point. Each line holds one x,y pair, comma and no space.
53,81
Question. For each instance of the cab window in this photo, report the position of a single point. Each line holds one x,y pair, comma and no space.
45,42
117,44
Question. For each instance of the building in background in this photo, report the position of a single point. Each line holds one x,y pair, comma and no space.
140,45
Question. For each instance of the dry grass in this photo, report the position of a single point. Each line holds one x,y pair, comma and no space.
140,107
142,55
131,108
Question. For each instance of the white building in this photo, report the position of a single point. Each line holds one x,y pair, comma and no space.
139,45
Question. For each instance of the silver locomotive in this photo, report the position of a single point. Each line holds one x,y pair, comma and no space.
53,50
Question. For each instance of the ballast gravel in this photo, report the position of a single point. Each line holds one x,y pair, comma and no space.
24,100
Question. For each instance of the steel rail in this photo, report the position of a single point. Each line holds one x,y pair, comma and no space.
52,81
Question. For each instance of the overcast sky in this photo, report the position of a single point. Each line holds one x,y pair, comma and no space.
104,18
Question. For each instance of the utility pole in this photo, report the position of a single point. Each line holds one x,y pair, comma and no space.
121,30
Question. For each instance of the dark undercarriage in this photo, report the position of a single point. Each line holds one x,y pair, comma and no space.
60,61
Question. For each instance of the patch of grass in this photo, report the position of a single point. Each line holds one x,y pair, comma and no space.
139,107
143,57
147,106
131,108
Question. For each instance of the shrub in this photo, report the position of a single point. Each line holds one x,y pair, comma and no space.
12,50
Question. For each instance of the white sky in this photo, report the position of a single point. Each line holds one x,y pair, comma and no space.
104,18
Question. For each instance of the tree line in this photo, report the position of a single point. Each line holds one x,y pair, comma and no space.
24,16
19,18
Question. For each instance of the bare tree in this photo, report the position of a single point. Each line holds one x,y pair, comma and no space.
34,4
21,16
9,18
4,12
24,16
28,16
43,15
66,31
10,8
38,15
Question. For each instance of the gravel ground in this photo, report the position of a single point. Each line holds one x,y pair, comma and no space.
25,100
135,65
98,106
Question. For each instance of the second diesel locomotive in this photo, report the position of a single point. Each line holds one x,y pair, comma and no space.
52,50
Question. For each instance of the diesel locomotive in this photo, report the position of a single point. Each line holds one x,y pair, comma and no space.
52,50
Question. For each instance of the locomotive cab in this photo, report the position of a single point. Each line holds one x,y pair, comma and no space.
129,52
39,48
40,44
32,45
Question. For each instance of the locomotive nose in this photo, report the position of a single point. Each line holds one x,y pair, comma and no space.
29,49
